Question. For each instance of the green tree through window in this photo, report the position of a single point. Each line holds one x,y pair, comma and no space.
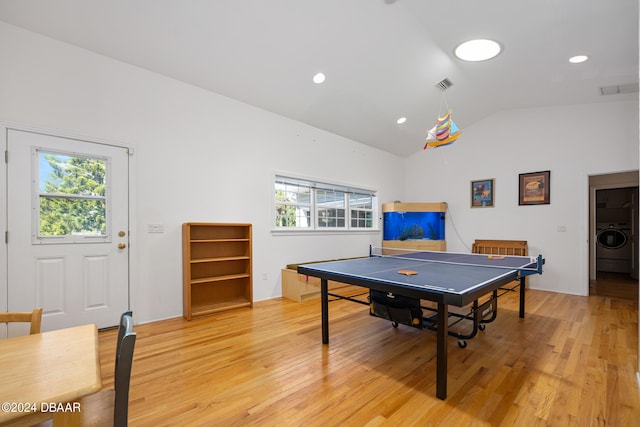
72,195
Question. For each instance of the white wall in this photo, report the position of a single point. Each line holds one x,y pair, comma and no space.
198,157
190,144
572,142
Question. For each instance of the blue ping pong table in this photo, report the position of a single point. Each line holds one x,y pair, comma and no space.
441,277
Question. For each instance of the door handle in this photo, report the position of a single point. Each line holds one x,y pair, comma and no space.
121,245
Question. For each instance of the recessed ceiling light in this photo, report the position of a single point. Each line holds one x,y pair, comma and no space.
319,78
578,59
401,120
477,50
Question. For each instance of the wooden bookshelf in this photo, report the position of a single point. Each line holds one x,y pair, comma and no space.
216,267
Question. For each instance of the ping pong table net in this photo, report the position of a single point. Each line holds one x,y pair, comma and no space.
471,259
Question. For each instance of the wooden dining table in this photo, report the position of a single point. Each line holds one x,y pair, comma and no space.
49,373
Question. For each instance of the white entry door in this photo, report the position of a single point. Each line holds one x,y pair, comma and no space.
68,229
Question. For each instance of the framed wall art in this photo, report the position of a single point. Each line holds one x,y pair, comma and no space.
534,188
483,193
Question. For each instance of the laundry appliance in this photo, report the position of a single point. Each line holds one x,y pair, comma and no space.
613,247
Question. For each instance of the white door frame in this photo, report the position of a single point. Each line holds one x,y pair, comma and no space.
4,126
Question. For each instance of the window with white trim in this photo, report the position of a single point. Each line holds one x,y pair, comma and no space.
70,198
302,204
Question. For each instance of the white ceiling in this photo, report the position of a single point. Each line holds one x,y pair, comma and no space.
382,58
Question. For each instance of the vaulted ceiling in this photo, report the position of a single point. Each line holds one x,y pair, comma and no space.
383,59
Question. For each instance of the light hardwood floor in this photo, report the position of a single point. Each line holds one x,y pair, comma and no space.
571,362
616,285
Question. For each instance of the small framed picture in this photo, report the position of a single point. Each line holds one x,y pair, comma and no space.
534,188
483,193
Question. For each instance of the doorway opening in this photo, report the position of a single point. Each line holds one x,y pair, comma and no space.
613,247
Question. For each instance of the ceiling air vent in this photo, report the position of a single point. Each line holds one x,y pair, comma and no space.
619,89
444,84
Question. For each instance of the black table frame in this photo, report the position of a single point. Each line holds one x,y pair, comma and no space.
443,300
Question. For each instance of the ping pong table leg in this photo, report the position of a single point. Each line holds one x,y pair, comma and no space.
441,354
522,289
324,297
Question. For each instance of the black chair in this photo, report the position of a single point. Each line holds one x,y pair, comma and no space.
108,407
122,377
111,407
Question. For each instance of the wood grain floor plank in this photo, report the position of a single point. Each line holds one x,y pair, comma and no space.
571,361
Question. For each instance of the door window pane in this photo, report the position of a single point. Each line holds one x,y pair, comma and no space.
67,216
71,195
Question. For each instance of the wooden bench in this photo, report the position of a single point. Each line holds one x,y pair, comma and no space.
300,287
501,247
